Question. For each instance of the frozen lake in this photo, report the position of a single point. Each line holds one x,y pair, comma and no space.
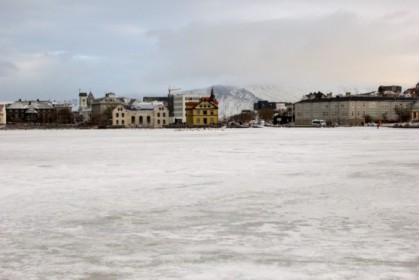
271,203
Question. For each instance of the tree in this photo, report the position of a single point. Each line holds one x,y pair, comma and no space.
266,114
106,117
64,116
404,114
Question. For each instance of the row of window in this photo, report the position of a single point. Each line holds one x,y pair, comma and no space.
342,114
362,104
140,121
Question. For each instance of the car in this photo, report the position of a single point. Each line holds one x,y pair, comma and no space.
320,123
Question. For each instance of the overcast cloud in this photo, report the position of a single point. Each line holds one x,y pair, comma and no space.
51,48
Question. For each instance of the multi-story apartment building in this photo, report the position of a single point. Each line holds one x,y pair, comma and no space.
349,109
141,114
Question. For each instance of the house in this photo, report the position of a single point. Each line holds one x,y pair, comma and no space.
202,113
350,109
38,111
141,114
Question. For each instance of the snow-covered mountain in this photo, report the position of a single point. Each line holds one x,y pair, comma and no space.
232,100
276,93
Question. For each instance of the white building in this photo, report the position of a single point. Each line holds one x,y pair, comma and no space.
3,112
141,114
179,106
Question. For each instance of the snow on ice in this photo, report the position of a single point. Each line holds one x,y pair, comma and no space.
272,203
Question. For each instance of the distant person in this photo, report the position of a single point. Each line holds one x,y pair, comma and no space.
378,124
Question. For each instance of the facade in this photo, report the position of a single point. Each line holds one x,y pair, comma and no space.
3,118
102,108
264,104
40,112
202,113
349,110
179,105
141,114
110,100
85,105
415,112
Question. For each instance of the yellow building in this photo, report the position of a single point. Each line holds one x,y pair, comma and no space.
202,113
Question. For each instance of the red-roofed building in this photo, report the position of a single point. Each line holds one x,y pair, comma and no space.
202,113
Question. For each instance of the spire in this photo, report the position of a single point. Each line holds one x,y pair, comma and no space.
212,97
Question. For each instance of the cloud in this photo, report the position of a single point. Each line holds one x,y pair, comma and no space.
337,48
52,48
7,68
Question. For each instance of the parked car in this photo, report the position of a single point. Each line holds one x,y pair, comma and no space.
317,122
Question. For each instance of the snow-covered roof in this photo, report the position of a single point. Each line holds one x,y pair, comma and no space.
31,104
138,105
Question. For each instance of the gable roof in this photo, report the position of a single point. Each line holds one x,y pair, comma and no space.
193,105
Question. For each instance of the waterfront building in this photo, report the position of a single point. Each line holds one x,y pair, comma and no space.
349,109
38,112
179,105
202,113
141,114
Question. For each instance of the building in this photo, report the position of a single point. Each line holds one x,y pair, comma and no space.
39,112
179,105
85,105
167,102
3,113
415,112
202,113
100,105
264,104
389,90
349,109
101,112
141,114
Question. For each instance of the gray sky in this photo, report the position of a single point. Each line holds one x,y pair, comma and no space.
53,48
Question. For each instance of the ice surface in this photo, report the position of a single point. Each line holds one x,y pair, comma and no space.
272,203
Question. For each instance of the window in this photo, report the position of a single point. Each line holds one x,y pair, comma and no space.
117,115
158,121
164,122
140,119
123,115
158,114
122,122
117,122
164,115
132,119
148,120
205,112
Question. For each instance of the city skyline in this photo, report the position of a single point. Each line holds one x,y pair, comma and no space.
51,49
